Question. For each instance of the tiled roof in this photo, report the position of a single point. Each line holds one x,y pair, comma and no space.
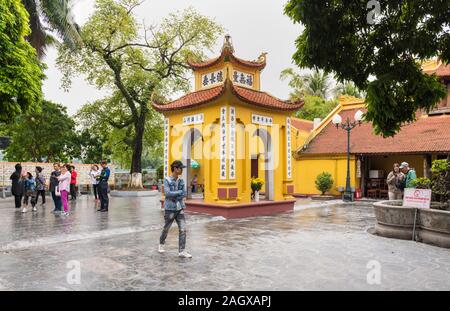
263,99
227,53
427,134
303,125
441,69
192,99
252,97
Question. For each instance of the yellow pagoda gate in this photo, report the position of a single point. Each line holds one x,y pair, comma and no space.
233,132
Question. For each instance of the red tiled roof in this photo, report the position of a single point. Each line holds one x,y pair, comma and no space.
263,99
192,99
303,125
429,134
226,52
442,70
253,97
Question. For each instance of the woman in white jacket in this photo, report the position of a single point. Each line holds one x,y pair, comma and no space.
64,187
94,173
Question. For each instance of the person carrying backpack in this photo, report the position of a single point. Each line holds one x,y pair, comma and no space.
30,193
174,206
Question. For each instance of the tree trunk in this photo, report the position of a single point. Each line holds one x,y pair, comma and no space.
136,161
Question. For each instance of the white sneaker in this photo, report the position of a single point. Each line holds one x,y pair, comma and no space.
34,209
24,210
161,248
184,254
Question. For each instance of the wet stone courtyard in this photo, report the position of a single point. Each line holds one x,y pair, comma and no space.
316,247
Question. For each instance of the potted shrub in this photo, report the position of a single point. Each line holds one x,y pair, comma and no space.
256,185
324,182
422,183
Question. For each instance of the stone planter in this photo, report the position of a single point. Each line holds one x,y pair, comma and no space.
432,226
131,193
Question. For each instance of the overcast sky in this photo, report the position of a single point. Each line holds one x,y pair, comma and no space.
255,26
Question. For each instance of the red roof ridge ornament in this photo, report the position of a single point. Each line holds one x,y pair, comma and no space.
227,54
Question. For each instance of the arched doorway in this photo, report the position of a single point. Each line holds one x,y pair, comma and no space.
189,139
264,135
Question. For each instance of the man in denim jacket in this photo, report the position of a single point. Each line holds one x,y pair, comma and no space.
174,206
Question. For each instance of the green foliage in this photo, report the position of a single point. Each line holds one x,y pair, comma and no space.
324,182
257,183
441,180
380,57
160,172
48,16
20,71
45,135
315,107
138,69
317,83
348,88
421,183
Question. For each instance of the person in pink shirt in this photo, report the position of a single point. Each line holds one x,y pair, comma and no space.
64,187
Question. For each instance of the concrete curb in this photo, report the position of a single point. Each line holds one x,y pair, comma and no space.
130,194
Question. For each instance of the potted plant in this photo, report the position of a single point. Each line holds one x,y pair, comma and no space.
324,182
256,185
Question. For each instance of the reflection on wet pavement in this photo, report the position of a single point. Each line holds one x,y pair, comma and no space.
325,247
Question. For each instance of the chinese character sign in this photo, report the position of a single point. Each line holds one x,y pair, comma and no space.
232,145
166,146
194,119
223,143
245,79
212,78
262,120
288,148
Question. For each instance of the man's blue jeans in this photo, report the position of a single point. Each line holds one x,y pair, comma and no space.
57,201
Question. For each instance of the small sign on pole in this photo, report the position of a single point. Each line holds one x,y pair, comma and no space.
420,198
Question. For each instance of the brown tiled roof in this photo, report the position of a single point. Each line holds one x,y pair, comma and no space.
263,99
427,134
192,99
227,53
249,96
442,70
303,125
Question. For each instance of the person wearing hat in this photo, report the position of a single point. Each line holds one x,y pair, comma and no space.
174,192
103,186
410,174
40,185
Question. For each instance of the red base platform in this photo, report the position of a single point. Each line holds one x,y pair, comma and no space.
262,208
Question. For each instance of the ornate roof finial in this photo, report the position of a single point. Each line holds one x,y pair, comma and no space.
228,44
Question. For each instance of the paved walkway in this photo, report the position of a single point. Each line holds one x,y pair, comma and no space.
325,247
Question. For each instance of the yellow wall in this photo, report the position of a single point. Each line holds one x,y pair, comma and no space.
307,169
386,163
246,145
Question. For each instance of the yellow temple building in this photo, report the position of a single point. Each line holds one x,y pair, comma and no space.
233,131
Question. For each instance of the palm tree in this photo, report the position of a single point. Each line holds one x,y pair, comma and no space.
316,83
348,88
47,16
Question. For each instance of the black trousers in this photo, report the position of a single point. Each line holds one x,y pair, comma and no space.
96,194
40,193
18,200
103,194
73,191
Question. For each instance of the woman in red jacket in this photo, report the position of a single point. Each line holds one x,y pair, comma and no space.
73,183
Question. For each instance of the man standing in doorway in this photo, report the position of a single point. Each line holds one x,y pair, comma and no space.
410,174
103,187
174,206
